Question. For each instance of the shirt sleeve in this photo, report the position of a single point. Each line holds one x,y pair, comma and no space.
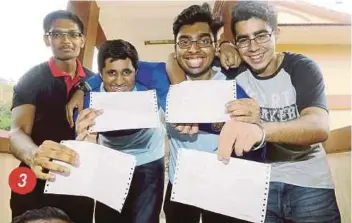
27,88
86,104
308,82
153,76
161,84
93,82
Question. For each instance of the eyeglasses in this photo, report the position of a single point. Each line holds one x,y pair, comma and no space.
259,39
201,43
60,34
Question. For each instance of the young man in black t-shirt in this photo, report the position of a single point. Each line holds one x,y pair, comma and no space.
39,119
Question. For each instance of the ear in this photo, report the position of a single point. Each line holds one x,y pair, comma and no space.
217,49
277,34
46,40
175,53
83,43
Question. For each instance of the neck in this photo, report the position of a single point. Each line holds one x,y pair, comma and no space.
68,66
272,67
206,76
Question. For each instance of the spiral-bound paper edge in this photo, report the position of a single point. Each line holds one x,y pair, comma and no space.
234,85
128,186
266,193
47,183
91,106
167,104
156,106
177,166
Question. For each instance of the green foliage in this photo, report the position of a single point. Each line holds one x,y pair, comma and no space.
5,106
5,116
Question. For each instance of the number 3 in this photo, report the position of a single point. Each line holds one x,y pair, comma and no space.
23,178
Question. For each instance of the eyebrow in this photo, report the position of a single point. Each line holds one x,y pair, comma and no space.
126,69
64,30
122,70
255,34
109,70
199,35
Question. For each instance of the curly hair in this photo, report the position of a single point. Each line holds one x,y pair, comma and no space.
196,13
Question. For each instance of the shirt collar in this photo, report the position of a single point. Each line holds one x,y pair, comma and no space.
59,73
216,69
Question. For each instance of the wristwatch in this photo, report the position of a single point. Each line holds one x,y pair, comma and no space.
81,86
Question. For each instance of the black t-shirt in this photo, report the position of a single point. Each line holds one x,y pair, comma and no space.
49,95
296,85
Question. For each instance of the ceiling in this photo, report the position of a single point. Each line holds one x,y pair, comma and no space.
139,21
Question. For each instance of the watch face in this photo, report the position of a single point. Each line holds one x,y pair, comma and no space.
81,86
217,126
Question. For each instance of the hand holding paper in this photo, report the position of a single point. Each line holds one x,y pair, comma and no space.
104,174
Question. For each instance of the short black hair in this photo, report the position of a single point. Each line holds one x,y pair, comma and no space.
45,213
61,14
196,13
117,50
245,10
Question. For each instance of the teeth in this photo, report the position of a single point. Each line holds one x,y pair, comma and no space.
119,88
196,62
256,57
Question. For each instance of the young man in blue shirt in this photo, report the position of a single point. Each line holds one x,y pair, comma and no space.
195,36
118,63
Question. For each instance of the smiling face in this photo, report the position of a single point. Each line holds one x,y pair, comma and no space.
65,39
118,75
260,53
195,49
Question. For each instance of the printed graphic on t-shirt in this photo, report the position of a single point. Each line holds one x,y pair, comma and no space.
283,114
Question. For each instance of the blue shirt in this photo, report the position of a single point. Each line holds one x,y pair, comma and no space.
147,145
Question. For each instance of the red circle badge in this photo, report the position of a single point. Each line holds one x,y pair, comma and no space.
22,180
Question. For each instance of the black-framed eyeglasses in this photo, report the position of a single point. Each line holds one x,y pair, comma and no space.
61,34
259,39
201,43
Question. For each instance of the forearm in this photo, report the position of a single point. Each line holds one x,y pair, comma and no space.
303,131
22,146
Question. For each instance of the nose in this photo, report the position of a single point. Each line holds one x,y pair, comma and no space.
119,80
65,38
253,46
194,47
